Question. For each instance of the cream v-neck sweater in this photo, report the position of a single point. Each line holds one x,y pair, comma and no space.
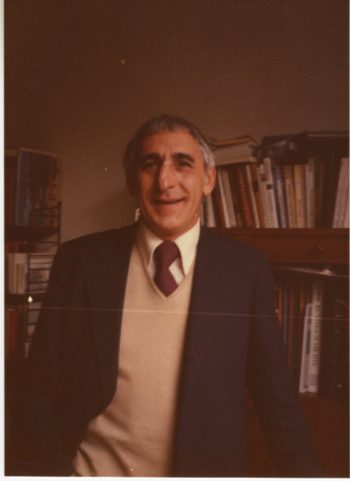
134,435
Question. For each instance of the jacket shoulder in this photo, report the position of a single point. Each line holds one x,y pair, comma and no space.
97,240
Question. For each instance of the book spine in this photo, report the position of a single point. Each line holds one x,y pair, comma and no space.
226,220
264,196
243,195
331,176
252,195
315,336
305,352
310,193
225,178
271,192
341,194
209,212
290,194
319,189
299,186
280,197
257,192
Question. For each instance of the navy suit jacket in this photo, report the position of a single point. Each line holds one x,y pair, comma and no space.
233,342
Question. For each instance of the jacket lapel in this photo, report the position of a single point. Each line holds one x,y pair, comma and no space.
106,284
207,304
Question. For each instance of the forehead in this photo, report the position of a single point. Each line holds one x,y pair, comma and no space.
170,142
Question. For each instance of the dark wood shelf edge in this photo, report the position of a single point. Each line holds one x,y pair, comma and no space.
28,233
300,232
296,246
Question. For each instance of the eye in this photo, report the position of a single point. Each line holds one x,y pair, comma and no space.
148,164
184,162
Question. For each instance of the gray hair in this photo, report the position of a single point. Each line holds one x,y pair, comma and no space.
164,123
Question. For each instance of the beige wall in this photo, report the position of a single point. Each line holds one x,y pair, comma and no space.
81,75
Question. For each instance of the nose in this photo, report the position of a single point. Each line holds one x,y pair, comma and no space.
166,176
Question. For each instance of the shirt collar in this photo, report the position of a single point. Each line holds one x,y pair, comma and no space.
187,244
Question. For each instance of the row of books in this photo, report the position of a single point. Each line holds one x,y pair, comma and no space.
285,182
27,272
32,188
20,323
313,309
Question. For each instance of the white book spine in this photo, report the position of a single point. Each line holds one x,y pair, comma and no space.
17,272
223,199
271,192
305,351
342,193
209,211
315,337
229,198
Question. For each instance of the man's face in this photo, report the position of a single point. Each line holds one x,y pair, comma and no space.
170,181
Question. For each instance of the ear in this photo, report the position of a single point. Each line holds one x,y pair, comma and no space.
209,180
130,182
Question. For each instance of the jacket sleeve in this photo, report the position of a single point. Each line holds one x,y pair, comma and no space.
275,399
41,450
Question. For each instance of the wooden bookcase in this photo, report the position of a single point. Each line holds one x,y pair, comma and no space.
15,368
327,418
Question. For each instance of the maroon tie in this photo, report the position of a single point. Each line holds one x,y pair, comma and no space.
164,256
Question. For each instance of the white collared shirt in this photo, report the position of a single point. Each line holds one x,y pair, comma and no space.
147,242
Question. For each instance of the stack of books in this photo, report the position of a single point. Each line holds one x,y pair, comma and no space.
288,181
20,323
26,272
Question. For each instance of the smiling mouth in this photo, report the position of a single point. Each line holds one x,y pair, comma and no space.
167,201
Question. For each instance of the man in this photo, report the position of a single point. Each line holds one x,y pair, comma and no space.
150,335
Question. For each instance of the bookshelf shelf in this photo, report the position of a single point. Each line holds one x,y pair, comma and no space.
25,233
297,246
22,299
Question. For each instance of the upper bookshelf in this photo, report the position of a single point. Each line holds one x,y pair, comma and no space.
287,181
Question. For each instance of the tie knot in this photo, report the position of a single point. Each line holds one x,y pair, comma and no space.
165,254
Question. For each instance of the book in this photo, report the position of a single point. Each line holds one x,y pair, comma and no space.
270,187
28,272
225,179
299,189
305,351
315,337
310,193
223,198
267,220
239,185
208,210
342,194
290,194
280,197
256,181
232,151
251,193
334,368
